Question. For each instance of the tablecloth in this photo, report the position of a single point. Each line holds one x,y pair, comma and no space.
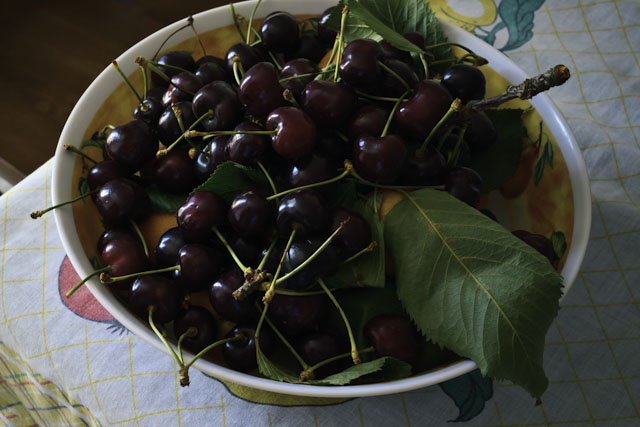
70,363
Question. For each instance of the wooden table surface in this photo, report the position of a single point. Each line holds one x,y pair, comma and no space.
52,50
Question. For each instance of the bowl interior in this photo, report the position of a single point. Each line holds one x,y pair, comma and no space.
559,202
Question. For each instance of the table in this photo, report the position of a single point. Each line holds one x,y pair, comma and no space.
72,363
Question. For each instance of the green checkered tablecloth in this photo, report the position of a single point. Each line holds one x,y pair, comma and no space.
71,363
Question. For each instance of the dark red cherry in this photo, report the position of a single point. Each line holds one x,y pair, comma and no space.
393,335
317,347
223,302
260,92
427,169
103,172
331,145
176,58
125,256
211,156
131,144
379,159
297,67
390,85
481,133
328,103
280,32
212,69
420,114
199,213
206,329
149,111
355,234
241,354
305,210
117,233
199,265
296,132
308,170
465,82
246,149
220,97
326,35
464,184
121,200
169,129
247,54
183,87
250,214
326,263
173,172
157,292
359,63
246,248
540,243
368,121
168,247
295,315
310,47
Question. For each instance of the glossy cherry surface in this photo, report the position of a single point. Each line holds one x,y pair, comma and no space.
465,82
211,156
280,32
359,63
305,210
223,302
260,92
206,330
464,184
393,335
246,149
169,129
199,213
328,103
173,172
324,264
241,354
220,97
250,214
131,144
379,159
355,234
121,200
157,292
199,265
295,315
420,114
168,246
296,132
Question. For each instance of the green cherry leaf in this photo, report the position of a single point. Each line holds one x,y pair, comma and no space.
229,178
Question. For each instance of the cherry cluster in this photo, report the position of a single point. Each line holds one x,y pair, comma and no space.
370,114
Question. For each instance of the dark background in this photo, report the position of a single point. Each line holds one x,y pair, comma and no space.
52,50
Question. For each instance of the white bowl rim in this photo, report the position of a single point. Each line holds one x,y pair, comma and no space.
96,93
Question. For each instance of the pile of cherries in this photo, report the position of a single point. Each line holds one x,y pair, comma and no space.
266,249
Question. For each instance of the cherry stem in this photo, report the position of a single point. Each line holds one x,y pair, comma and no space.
369,248
126,80
208,135
425,65
308,373
210,347
268,296
378,98
186,134
279,335
313,255
346,172
354,349
395,75
253,13
204,51
79,152
444,137
299,76
105,278
332,57
142,61
387,187
191,332
168,37
343,20
135,227
238,70
86,279
455,154
275,60
229,248
145,83
478,59
234,16
456,105
288,96
392,114
281,291
161,336
267,254
38,214
271,183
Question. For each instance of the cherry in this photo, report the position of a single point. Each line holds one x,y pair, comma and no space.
295,132
117,233
425,170
355,234
168,246
540,243
297,67
359,63
464,184
368,121
126,256
330,145
157,292
305,211
220,97
481,133
295,315
319,346
326,35
199,213
210,157
250,214
121,200
149,111
393,335
248,56
223,302
241,354
173,172
202,321
308,170
169,129
246,149
260,91
310,47
328,103
103,172
325,263
183,87
389,85
280,32
465,82
212,70
420,114
176,58
199,266
246,249
131,144
379,159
